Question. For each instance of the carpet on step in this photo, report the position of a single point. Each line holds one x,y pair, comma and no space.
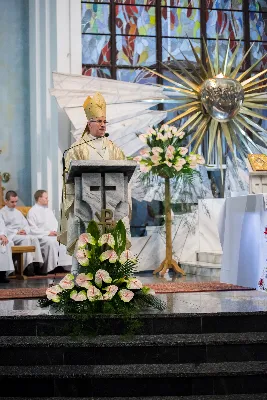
166,287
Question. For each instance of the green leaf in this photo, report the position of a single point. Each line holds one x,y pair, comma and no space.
94,230
119,234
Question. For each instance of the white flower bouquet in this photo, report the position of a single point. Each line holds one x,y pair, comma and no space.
165,155
105,283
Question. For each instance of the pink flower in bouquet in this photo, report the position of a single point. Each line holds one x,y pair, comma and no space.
179,164
127,255
180,161
102,276
168,163
144,152
52,293
126,295
109,255
81,296
110,292
145,168
192,160
156,159
151,131
107,238
183,151
134,283
137,158
83,256
200,159
83,280
178,167
179,134
143,138
161,137
173,129
170,152
164,127
157,150
94,294
67,282
84,239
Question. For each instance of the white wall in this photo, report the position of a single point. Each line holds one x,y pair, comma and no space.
55,45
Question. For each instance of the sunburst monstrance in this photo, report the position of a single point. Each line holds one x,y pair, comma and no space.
219,101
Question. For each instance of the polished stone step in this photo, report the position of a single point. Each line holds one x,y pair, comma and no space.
201,268
158,323
212,257
134,380
261,396
139,349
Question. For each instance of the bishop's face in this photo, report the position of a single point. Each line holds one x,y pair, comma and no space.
97,126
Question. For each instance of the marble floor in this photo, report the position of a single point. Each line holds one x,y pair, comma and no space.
201,302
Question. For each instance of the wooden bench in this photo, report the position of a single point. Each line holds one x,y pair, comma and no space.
17,255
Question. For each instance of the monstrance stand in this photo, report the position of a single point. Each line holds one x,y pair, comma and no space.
168,262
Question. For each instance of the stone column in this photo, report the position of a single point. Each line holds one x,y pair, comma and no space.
55,45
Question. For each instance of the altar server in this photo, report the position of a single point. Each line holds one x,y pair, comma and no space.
18,231
43,225
6,263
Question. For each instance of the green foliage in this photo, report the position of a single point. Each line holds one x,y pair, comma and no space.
119,233
93,229
116,279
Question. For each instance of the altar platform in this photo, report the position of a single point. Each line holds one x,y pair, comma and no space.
177,303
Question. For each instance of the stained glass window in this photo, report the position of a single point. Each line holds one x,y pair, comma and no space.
226,24
225,4
136,50
135,20
131,2
258,5
223,45
121,36
180,22
257,52
179,48
96,49
258,26
135,75
95,18
181,3
97,72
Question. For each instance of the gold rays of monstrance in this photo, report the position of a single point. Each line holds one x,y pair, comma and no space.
219,100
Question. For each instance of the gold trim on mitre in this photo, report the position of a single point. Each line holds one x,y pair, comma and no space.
95,107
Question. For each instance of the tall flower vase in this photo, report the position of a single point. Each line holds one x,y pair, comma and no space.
168,262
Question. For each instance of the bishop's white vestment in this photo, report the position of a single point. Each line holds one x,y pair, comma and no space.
14,222
42,221
6,262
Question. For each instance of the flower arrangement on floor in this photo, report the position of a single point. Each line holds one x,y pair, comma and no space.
105,283
165,155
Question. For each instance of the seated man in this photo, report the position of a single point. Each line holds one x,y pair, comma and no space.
18,231
43,225
6,263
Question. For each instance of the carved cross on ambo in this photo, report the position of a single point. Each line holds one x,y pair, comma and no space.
103,189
